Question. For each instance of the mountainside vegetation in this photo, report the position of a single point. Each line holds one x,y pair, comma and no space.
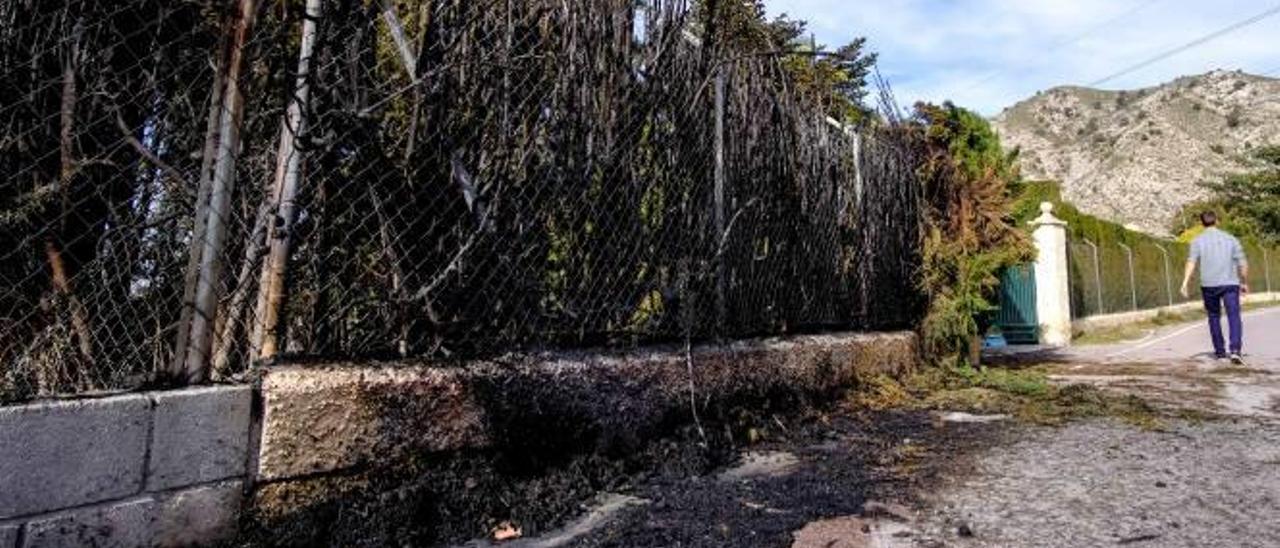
1137,157
1080,225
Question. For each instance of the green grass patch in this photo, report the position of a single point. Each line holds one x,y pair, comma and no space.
1020,382
1134,330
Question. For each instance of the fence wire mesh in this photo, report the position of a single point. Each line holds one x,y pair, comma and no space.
102,104
212,182
1104,281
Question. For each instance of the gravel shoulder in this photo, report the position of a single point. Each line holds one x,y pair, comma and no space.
1104,483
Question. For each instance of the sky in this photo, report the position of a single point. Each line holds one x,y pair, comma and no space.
989,54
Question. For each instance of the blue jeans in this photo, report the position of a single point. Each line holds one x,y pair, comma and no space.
1214,298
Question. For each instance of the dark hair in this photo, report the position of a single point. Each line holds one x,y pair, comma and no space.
1208,218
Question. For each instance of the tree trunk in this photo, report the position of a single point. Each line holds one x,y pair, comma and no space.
975,351
225,343
53,252
62,284
271,288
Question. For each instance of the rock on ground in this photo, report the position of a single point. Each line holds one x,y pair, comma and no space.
851,532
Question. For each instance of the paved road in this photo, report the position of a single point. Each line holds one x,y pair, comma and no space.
1191,342
1175,365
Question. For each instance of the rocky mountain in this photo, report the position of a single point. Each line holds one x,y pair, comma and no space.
1135,157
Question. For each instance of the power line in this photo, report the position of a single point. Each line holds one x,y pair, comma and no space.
1068,41
1189,45
1105,24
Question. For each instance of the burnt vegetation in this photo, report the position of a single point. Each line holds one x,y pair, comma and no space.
471,178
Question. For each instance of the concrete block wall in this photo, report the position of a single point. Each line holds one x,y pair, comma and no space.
150,469
341,431
179,468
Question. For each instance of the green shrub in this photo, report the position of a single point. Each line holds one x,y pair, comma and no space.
969,182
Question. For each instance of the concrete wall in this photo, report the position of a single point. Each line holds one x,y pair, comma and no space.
174,468
325,419
149,469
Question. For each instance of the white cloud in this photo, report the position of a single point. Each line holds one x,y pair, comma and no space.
988,54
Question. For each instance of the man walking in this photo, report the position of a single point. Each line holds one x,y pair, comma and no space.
1223,272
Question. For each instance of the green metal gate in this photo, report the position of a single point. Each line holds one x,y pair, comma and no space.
1017,315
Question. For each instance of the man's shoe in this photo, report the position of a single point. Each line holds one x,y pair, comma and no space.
1237,359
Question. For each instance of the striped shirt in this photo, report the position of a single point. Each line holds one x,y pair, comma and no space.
1220,256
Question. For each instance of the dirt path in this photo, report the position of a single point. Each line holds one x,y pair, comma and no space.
829,466
1165,366
1173,365
912,479
916,482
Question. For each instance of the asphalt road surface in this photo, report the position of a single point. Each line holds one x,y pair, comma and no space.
1192,342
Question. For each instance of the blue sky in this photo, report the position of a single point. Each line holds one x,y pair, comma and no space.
989,54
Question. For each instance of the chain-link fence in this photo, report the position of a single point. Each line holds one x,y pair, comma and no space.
102,105
191,186
1114,277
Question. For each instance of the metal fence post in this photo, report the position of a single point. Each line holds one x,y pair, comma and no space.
857,168
283,197
1266,267
1168,282
1097,273
208,285
1133,282
720,236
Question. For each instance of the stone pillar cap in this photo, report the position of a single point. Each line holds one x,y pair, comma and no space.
1046,216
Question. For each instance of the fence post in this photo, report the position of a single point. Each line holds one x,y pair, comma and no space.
265,340
1133,282
1097,273
721,305
196,369
1266,267
1168,281
191,277
1053,285
857,168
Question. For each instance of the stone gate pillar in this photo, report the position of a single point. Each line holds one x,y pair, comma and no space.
1053,290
